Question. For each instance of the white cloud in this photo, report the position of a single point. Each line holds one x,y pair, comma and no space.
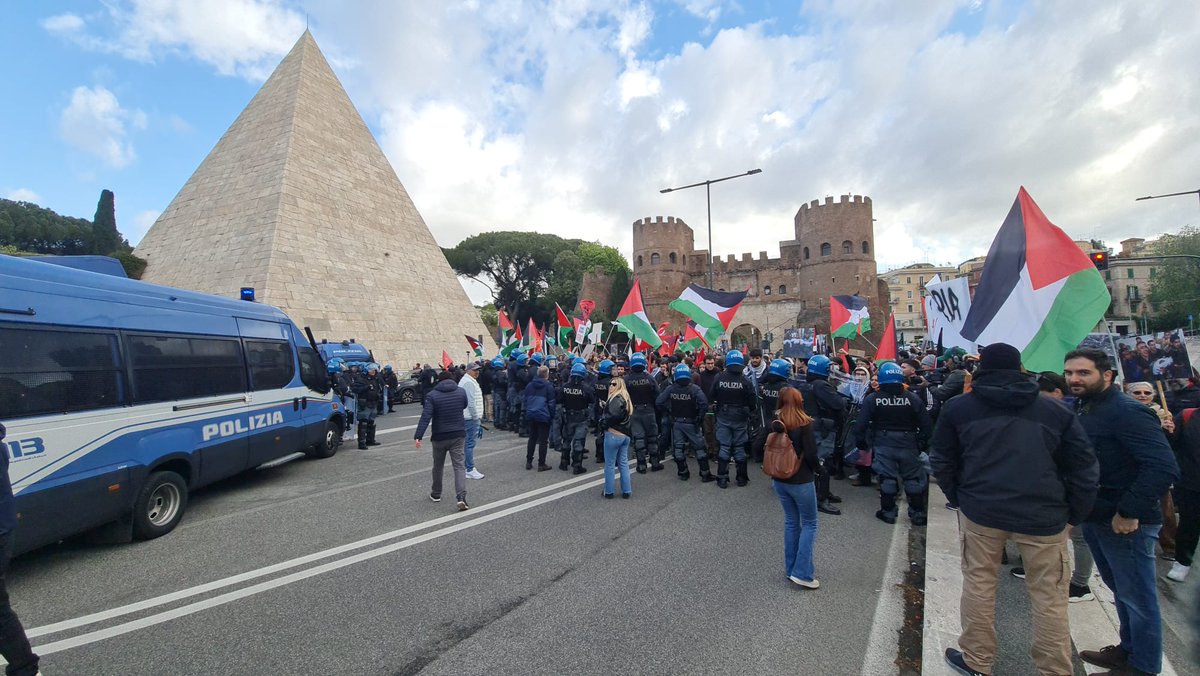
95,122
141,225
63,24
23,195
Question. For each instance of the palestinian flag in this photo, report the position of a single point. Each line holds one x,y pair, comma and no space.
693,338
565,330
632,317
475,346
1039,292
713,310
887,344
509,337
848,316
533,337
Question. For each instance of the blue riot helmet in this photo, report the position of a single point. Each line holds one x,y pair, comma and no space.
578,370
682,372
387,368
890,374
522,359
498,363
333,366
638,359
734,358
578,360
779,367
551,360
606,367
537,358
818,365
372,367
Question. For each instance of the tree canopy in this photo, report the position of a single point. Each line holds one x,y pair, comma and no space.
528,272
30,229
1175,289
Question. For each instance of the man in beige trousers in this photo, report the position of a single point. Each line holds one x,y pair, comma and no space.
1019,467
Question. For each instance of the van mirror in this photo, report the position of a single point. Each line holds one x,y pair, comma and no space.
312,371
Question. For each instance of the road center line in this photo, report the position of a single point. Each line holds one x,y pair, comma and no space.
183,611
883,641
291,563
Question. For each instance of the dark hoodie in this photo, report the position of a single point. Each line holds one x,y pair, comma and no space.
443,407
1013,460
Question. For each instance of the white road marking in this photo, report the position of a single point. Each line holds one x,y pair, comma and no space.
291,563
883,643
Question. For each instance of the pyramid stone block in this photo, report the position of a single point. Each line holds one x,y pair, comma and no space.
298,201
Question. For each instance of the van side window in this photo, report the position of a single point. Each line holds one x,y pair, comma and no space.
312,370
44,372
271,366
168,368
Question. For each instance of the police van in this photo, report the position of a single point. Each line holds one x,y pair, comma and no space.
121,397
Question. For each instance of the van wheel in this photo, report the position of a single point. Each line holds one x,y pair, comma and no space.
328,444
407,396
160,505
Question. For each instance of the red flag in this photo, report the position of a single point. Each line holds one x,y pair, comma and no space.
447,362
887,344
585,307
845,357
745,349
700,357
517,332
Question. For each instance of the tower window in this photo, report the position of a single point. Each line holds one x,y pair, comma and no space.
672,257
685,259
833,280
826,249
654,259
766,290
847,247
803,305
805,253
866,247
782,289
910,307
639,261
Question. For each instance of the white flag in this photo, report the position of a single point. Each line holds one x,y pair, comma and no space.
946,307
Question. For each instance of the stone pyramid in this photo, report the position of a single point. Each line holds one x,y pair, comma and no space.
298,201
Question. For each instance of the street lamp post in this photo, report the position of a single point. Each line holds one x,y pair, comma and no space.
1173,194
708,201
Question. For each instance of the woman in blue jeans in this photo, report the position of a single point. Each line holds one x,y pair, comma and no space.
797,494
616,438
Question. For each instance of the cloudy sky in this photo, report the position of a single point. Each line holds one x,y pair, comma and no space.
568,116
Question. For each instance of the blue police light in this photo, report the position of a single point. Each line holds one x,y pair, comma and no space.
248,293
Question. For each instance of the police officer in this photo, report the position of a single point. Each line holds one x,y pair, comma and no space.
341,387
499,394
685,404
392,383
578,400
555,441
530,374
827,408
776,378
894,423
734,398
368,388
517,380
600,387
643,421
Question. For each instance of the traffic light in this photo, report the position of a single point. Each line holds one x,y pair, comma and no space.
1100,260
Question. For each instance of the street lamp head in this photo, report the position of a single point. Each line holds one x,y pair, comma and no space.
666,190
754,171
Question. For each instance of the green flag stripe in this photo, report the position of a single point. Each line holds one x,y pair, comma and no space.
1080,304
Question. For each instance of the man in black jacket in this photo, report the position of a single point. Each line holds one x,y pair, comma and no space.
1020,467
443,409
1136,469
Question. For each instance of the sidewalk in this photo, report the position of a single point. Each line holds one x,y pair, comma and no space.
1093,623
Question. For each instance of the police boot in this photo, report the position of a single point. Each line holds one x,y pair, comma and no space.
371,434
641,461
684,472
565,462
743,477
655,462
600,450
887,508
864,477
833,465
705,475
823,504
917,505
362,436
722,473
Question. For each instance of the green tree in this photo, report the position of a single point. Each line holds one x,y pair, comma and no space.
105,238
1175,289
515,266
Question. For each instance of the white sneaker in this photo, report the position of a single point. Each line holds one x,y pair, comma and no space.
1178,572
474,474
807,584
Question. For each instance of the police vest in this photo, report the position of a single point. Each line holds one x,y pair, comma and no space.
641,389
770,388
682,402
575,395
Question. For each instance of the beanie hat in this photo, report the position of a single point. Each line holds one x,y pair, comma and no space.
1000,357
929,361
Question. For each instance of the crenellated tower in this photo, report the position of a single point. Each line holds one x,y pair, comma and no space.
663,255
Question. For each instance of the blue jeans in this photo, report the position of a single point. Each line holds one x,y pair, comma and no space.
1126,564
616,452
799,503
472,425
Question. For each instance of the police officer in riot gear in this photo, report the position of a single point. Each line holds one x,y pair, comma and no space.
827,408
893,422
775,379
368,389
578,400
392,383
734,399
643,421
518,378
341,387
685,404
599,411
499,394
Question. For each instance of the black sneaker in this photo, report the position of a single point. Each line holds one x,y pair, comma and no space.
1018,573
834,499
528,464
543,467
1080,593
463,506
826,507
579,470
955,659
951,506
435,498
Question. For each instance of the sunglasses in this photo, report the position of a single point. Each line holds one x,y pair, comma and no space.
612,384
1144,393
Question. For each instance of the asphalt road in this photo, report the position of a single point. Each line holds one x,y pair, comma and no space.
344,566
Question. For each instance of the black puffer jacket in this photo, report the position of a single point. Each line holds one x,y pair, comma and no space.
444,406
1012,459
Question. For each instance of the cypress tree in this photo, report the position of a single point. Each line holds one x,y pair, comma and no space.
105,238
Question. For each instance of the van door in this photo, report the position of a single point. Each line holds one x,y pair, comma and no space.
277,407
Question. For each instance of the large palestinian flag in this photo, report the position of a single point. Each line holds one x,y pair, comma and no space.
633,317
565,331
509,338
1039,291
713,311
848,316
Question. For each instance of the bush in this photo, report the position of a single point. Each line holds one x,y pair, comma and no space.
134,266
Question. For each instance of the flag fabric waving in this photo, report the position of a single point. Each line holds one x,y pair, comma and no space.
633,317
887,344
1039,291
533,337
713,310
693,338
509,338
475,346
447,362
565,330
848,316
